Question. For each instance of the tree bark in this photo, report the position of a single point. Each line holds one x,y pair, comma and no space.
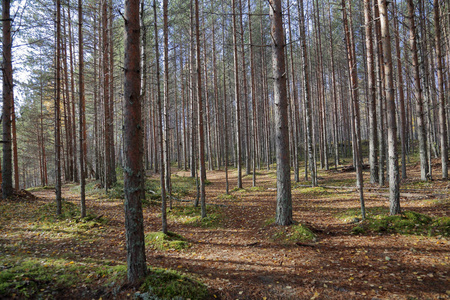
237,95
133,144
8,99
394,184
284,199
441,91
419,95
81,109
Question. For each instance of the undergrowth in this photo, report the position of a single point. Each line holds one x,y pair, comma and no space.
170,241
191,215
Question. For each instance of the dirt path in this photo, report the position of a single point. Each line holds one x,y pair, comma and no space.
240,260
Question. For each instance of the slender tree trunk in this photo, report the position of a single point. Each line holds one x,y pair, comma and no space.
237,95
57,113
352,65
373,138
134,220
106,95
307,93
81,109
110,123
160,126
201,138
394,181
419,95
441,91
166,102
8,99
401,95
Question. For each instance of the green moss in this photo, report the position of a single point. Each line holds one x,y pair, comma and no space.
168,284
230,197
300,233
409,223
40,188
352,213
295,233
159,240
191,215
358,230
314,191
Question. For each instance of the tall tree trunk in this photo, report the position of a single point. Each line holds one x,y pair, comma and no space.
160,125
352,66
57,112
401,94
307,93
419,95
134,220
201,137
106,95
166,101
441,91
237,95
81,109
8,99
394,182
112,159
373,138
284,198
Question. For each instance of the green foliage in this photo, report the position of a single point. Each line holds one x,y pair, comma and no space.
409,222
160,241
47,212
191,215
116,191
169,284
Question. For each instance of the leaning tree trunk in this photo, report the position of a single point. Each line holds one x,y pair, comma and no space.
393,170
133,143
284,200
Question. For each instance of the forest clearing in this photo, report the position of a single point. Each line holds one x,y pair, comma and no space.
238,252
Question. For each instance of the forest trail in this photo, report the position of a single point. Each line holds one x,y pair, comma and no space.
241,258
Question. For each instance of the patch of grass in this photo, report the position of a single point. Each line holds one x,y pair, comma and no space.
230,197
40,188
191,215
160,241
168,284
300,233
294,233
352,213
238,190
38,278
269,221
409,222
255,189
116,191
314,191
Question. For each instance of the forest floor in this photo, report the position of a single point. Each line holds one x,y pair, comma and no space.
240,254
